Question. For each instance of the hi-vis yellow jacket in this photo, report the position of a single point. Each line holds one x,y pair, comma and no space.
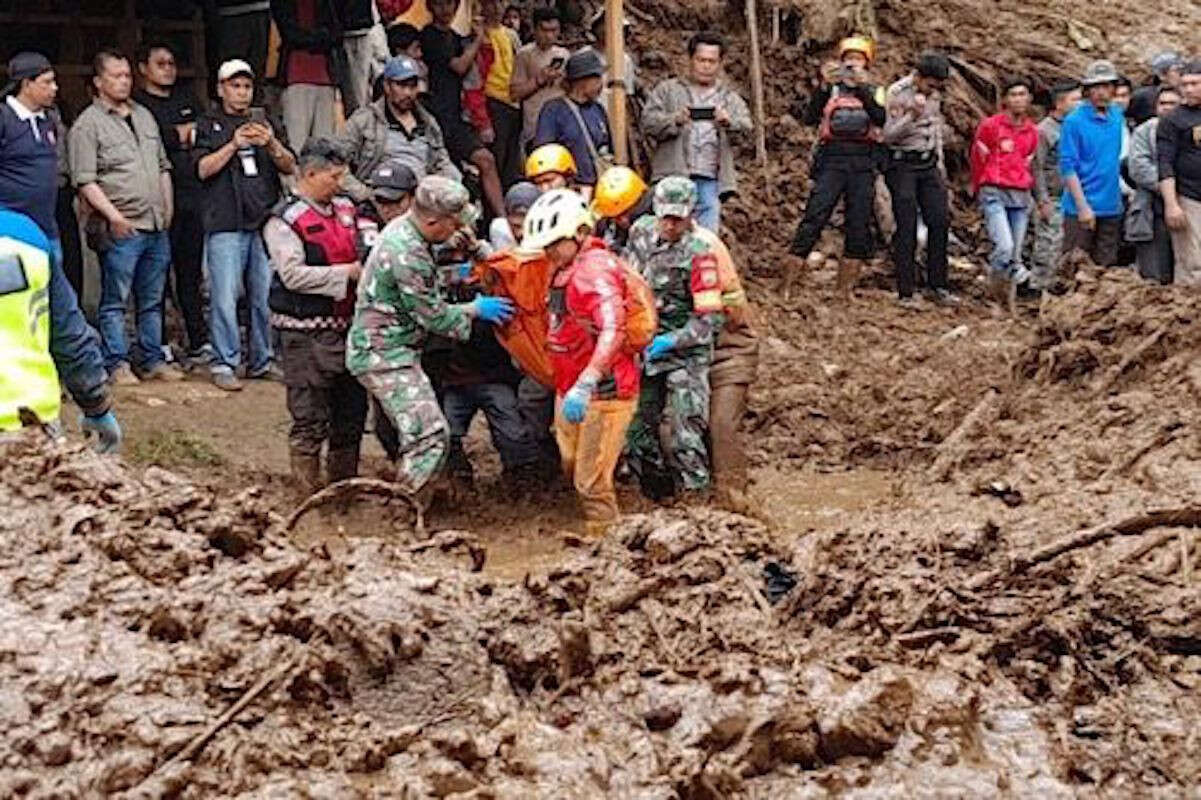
28,379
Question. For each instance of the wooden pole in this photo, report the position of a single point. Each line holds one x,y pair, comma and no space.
615,53
752,24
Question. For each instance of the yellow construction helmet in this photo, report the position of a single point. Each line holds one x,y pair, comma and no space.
550,158
617,191
858,44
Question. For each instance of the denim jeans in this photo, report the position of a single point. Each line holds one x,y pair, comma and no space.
1007,230
510,436
137,264
237,260
74,345
708,203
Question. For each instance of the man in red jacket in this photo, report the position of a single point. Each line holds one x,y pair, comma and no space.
1002,177
596,374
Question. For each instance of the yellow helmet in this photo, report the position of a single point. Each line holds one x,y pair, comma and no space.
550,158
617,191
858,44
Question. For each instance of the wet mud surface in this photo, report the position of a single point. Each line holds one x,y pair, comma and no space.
897,621
927,624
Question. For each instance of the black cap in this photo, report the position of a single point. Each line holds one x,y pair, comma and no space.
28,65
392,181
933,64
585,64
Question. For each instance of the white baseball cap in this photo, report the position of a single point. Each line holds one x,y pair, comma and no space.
233,68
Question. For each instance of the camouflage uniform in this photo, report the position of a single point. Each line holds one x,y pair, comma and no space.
684,278
400,303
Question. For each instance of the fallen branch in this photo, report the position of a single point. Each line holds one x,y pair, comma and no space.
1177,517
344,490
1131,357
196,745
923,638
949,450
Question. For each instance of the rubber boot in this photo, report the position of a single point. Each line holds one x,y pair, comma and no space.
342,464
306,471
848,274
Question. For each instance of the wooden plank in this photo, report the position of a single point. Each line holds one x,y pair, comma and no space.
615,46
752,24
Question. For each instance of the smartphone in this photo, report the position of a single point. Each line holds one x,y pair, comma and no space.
702,112
557,63
258,115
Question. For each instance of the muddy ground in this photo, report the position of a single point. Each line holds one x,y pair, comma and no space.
958,581
895,622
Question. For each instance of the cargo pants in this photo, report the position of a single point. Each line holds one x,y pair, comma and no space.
423,436
681,397
589,451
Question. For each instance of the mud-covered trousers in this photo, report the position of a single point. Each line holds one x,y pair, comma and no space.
324,399
681,396
589,452
735,361
423,436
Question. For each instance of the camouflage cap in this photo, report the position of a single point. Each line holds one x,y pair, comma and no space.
444,197
675,196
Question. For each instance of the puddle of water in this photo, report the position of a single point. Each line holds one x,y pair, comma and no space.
800,502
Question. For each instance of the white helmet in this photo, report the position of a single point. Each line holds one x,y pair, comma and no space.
558,214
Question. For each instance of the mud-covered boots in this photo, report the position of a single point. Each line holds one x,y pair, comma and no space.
342,464
306,471
848,275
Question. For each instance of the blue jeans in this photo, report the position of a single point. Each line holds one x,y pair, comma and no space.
708,203
138,264
74,344
512,439
1007,230
237,260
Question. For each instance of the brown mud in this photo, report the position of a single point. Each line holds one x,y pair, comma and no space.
881,631
895,622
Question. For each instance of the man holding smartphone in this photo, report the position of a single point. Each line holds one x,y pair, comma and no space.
538,71
692,121
238,160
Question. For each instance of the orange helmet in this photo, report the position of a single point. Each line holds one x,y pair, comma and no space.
550,158
858,44
617,191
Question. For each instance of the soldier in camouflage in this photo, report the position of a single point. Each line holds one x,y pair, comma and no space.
400,303
682,270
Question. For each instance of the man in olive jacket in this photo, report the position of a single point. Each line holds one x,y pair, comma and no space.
395,128
691,121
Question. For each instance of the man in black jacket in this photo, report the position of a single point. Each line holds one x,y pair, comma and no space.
175,110
849,112
239,160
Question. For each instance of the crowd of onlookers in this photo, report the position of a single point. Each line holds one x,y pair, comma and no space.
1109,169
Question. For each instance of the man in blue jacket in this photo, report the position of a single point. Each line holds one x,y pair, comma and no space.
1090,148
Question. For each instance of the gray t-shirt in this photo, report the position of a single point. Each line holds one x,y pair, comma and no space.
704,147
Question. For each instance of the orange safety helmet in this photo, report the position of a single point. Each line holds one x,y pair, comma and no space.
550,158
617,191
858,44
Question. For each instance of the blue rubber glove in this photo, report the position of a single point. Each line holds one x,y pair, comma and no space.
575,402
497,310
106,429
660,346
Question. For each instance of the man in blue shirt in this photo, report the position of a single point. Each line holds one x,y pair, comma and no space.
578,122
1090,148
